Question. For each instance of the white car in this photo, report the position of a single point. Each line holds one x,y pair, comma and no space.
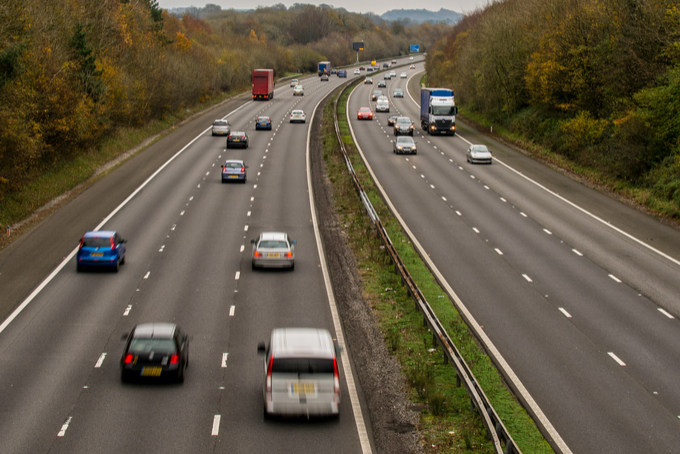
478,154
294,82
356,71
393,74
221,128
273,250
382,105
403,75
298,91
297,116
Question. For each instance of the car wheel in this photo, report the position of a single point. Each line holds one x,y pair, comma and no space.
116,266
122,262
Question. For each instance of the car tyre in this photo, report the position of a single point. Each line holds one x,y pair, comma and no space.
122,262
116,267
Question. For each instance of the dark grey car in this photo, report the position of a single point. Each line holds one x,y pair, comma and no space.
403,126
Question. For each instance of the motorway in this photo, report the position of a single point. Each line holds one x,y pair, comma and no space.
577,292
188,262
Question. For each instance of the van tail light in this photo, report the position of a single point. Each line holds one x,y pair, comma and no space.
174,359
128,358
268,384
336,378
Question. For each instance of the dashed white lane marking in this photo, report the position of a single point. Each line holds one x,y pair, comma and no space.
498,251
242,248
431,186
237,276
523,214
547,231
459,213
127,310
245,228
615,279
526,276
564,311
192,197
216,426
146,276
577,252
616,358
207,173
174,226
162,248
64,427
182,213
232,311
100,361
224,360
667,314
444,198
252,198
475,229
504,200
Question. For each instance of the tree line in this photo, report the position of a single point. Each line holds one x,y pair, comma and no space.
595,81
73,71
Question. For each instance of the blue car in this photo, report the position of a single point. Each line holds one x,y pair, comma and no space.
103,248
263,123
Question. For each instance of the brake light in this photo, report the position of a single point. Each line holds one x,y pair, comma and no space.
256,254
82,240
289,254
268,384
243,169
336,378
174,359
128,358
113,244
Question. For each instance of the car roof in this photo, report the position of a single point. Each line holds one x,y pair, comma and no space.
301,342
99,234
273,236
157,330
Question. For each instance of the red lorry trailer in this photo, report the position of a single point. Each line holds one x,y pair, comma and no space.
263,84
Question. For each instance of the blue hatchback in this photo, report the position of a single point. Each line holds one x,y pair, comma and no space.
263,123
104,248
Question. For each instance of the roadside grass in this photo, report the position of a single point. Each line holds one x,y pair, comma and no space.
448,421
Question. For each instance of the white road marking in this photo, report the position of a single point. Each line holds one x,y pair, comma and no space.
127,310
667,314
182,213
444,199
526,276
564,311
64,427
174,226
162,248
459,213
99,362
216,426
475,229
577,252
232,310
237,276
498,251
248,214
616,358
242,248
224,360
547,231
146,276
615,279
191,198
503,200
486,187
245,228
523,214
432,186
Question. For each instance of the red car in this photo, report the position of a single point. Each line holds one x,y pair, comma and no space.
364,113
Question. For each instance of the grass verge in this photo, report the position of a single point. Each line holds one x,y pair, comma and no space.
448,422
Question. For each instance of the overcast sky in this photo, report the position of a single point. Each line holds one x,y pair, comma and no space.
357,6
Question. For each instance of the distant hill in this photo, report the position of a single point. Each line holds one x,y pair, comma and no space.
420,16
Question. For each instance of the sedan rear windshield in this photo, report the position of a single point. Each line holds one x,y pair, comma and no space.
233,165
220,123
303,365
148,345
273,244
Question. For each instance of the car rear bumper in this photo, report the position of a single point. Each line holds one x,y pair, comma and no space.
233,177
274,263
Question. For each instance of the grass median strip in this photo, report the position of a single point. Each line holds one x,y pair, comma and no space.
448,421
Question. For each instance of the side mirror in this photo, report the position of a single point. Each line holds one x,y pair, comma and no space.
261,348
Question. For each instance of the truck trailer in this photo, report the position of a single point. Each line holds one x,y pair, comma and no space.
263,84
438,111
324,68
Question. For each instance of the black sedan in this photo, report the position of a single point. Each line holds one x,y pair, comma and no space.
237,139
155,350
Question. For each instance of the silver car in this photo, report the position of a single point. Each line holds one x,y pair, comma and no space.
405,144
478,154
273,250
221,128
300,373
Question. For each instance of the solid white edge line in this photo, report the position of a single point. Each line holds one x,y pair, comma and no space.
481,334
115,211
666,313
346,364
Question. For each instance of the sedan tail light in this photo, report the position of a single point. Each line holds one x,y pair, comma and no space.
256,254
243,169
336,378
113,244
289,255
174,359
128,358
268,383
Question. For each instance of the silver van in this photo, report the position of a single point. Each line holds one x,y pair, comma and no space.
300,373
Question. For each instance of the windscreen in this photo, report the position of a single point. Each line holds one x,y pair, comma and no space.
97,242
148,345
273,244
442,110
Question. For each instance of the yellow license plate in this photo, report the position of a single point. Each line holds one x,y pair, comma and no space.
97,254
273,254
303,388
233,176
151,371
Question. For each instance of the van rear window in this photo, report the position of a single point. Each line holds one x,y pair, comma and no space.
303,365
